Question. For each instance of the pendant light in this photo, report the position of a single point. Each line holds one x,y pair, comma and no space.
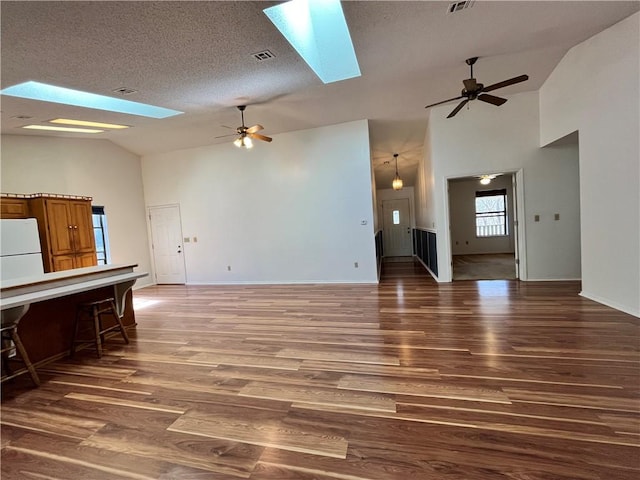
397,181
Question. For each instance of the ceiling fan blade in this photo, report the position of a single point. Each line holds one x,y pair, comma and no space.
444,101
506,83
458,108
255,128
497,101
470,84
257,136
228,135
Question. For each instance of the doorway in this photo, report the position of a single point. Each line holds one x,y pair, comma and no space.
397,228
166,244
483,225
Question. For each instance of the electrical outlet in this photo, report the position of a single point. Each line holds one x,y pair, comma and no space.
186,240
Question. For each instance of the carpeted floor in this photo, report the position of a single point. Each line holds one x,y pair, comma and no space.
497,266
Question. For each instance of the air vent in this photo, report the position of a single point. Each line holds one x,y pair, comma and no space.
124,91
459,6
263,55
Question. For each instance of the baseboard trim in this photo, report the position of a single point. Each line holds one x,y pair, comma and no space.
552,280
609,303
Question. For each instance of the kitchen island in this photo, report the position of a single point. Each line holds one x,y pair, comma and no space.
45,304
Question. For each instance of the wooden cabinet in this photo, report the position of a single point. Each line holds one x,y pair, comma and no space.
66,232
12,207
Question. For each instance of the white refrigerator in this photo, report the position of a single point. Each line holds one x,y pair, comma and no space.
20,252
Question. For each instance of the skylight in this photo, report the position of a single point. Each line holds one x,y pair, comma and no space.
51,93
319,33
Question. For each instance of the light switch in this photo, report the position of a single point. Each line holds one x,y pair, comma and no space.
536,218
556,216
186,240
195,239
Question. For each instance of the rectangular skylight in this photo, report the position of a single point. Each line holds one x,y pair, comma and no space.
50,93
62,129
85,123
318,31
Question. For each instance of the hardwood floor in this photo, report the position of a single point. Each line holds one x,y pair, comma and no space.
403,380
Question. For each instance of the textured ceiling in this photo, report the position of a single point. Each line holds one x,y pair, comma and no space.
197,57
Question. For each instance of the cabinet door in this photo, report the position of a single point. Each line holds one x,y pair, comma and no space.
86,260
63,262
14,208
82,223
60,226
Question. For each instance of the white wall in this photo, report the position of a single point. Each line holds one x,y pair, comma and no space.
595,89
424,188
93,168
284,212
462,217
488,139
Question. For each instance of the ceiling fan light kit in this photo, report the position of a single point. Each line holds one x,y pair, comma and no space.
397,183
477,91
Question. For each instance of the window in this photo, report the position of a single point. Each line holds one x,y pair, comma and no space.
491,213
396,217
101,235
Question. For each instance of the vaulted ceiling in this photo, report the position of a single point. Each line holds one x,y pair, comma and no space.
197,57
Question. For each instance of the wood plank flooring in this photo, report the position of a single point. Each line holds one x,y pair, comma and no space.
403,380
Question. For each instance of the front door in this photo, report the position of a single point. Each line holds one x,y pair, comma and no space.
166,238
397,228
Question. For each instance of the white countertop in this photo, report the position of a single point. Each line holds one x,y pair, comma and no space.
66,275
21,291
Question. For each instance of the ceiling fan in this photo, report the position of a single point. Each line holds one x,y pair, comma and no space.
473,90
245,134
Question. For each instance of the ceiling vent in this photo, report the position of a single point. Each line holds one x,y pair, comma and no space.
124,91
263,55
459,6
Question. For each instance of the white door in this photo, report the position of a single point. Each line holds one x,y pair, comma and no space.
397,228
166,238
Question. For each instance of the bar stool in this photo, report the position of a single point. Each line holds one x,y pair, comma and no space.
91,313
9,333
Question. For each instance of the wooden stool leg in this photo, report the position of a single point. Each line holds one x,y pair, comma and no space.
97,323
119,320
5,354
74,338
25,358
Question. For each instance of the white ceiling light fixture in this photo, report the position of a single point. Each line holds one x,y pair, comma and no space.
86,123
486,179
62,129
397,183
243,141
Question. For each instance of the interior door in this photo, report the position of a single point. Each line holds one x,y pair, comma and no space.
397,228
166,238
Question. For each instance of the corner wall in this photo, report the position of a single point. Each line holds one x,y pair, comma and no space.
595,89
93,168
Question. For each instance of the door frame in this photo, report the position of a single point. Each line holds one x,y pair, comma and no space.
517,180
150,237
